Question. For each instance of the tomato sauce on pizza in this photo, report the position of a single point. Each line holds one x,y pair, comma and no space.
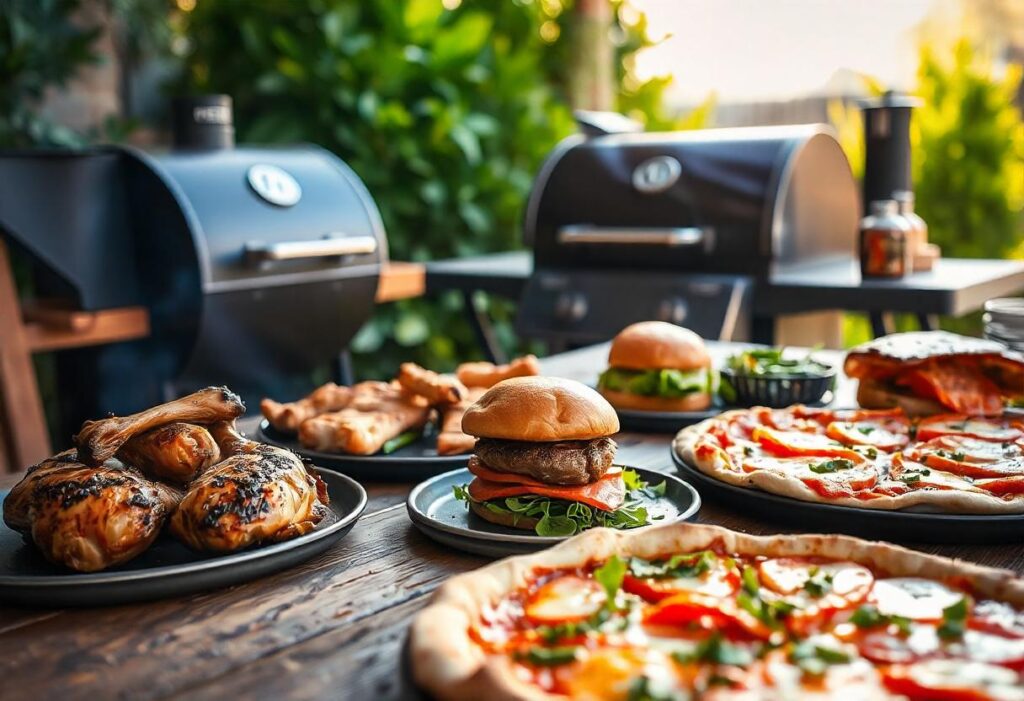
714,625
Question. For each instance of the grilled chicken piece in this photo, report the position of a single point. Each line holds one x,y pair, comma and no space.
379,411
289,416
88,518
98,441
257,494
437,389
484,374
452,440
174,453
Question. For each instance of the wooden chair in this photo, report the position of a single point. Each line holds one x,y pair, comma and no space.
41,327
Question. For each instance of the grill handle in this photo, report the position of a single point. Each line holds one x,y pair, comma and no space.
670,237
317,248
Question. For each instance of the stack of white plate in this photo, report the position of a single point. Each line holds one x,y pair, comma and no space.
1004,321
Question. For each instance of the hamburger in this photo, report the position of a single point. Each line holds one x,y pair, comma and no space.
655,366
931,372
544,459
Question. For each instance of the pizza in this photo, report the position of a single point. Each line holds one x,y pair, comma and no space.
867,458
700,612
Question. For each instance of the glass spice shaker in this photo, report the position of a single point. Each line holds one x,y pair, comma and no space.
920,259
885,239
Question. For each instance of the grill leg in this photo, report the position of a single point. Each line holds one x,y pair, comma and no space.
881,324
483,329
928,322
343,372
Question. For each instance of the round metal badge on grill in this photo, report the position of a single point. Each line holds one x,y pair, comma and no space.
657,174
274,185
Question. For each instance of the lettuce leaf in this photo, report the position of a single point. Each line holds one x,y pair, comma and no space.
658,383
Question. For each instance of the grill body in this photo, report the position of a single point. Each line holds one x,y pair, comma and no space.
684,227
256,265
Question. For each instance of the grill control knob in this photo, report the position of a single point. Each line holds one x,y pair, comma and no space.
571,306
673,310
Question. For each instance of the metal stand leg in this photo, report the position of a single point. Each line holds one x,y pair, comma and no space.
483,330
881,324
343,372
928,322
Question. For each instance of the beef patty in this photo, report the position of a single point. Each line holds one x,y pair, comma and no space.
563,462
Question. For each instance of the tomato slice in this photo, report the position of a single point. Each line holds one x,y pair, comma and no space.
565,599
841,482
1002,486
973,450
709,612
964,425
720,581
997,617
953,680
797,444
872,433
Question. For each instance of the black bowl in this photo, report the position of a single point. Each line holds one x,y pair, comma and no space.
778,390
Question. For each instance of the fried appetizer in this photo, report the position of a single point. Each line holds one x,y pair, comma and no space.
174,453
379,411
452,440
438,389
484,374
88,518
257,494
287,417
98,441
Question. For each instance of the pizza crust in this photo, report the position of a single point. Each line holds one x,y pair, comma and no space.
947,501
447,662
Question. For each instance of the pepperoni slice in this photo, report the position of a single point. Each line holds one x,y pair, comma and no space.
797,444
567,598
953,680
963,425
957,386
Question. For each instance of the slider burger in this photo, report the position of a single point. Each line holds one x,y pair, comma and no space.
656,366
543,459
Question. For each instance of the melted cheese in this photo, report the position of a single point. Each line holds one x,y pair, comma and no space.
914,598
787,575
568,598
871,433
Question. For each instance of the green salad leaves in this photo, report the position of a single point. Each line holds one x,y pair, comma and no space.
671,384
560,518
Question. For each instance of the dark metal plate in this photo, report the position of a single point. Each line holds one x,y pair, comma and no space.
413,463
899,526
435,511
168,568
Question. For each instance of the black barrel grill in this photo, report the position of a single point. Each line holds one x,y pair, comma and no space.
257,265
686,227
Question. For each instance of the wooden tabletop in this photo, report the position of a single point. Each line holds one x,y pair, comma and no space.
334,627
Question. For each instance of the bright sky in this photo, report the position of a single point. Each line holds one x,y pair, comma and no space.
752,50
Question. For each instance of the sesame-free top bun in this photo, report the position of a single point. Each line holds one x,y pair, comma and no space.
541,409
657,345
